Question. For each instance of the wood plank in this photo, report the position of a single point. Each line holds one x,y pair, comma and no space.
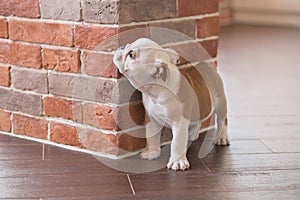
21,152
195,186
253,162
242,147
61,185
283,145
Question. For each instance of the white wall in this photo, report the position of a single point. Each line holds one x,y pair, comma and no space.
270,12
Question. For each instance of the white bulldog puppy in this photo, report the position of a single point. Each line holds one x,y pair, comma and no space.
180,100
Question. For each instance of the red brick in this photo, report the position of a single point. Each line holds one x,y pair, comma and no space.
211,46
208,26
4,76
58,107
120,118
95,37
130,34
41,32
20,54
33,127
23,8
130,115
64,134
61,60
197,7
98,64
130,142
100,116
3,28
5,124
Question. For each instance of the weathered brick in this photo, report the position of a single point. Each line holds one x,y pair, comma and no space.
174,31
95,37
33,127
61,60
29,79
104,12
24,8
197,7
211,46
124,92
92,88
100,116
5,124
191,52
4,76
117,144
146,10
3,28
99,64
41,32
82,87
20,54
208,26
61,9
58,107
21,102
98,141
64,134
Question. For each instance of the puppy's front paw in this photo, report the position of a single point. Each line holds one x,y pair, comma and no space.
150,154
180,164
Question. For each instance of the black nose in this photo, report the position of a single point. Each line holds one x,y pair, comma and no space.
122,47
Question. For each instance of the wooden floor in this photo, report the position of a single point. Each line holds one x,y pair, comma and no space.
261,70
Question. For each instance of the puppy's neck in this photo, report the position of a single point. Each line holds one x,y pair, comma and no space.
164,89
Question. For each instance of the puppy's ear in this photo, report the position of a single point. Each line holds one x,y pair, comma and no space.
160,70
174,57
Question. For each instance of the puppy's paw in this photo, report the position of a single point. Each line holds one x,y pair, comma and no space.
224,139
223,142
180,164
150,154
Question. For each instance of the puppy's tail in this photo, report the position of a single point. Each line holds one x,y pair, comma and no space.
213,135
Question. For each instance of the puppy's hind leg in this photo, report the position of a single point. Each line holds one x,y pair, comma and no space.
224,138
153,133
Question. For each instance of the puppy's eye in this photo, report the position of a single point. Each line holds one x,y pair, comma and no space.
131,54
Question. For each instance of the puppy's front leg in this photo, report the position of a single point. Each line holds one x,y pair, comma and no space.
178,160
153,133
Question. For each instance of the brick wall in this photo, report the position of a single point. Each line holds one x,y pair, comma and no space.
57,86
226,12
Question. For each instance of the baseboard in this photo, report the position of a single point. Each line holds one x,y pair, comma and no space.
267,12
278,19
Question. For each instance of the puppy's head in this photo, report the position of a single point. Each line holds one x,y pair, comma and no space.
144,60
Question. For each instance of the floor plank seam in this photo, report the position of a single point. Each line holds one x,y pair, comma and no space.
130,184
206,166
266,145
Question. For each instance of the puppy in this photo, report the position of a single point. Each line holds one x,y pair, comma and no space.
180,100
